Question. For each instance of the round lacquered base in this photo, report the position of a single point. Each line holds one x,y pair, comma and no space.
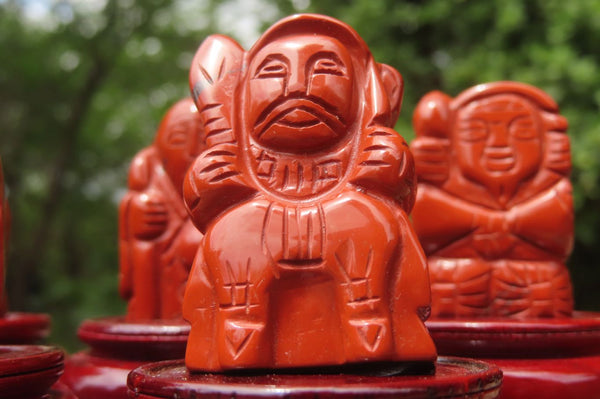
28,371
23,328
453,378
117,347
94,377
546,358
60,391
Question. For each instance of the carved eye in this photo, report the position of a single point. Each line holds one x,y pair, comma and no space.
329,66
178,135
271,68
473,130
523,128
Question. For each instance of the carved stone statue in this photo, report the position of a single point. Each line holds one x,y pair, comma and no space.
494,209
157,238
303,193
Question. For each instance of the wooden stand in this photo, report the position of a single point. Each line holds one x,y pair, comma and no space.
453,378
28,371
117,347
540,358
23,328
19,331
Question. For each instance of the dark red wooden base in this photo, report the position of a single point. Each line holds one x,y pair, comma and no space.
28,371
453,378
23,328
540,358
60,391
117,347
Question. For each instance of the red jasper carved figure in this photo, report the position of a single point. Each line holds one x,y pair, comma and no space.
303,193
494,210
158,241
157,244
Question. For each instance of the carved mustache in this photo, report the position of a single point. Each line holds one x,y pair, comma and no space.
316,107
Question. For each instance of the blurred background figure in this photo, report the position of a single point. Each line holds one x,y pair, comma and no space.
157,239
84,84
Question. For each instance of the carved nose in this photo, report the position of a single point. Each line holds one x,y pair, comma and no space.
498,135
297,83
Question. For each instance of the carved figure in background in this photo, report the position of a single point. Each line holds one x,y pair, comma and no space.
157,238
308,257
494,210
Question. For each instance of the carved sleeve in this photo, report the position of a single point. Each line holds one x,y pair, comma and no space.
440,219
385,167
214,183
432,158
546,221
131,217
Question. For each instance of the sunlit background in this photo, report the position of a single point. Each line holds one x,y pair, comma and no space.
84,83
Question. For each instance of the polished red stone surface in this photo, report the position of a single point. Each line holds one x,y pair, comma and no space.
494,209
495,216
453,378
554,358
28,371
117,347
303,194
157,240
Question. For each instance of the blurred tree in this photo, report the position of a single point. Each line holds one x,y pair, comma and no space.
84,83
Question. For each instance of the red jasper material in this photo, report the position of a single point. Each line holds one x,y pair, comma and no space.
495,216
157,240
303,193
494,210
157,244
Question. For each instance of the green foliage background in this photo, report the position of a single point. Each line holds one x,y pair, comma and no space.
83,90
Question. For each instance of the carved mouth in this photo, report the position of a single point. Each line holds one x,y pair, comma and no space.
298,118
500,164
298,113
298,125
499,159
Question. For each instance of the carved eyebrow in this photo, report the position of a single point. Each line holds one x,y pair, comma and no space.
522,120
471,120
270,58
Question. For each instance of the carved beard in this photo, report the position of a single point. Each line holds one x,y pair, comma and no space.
295,125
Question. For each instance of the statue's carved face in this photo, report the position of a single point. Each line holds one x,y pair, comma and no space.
180,141
498,138
300,94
